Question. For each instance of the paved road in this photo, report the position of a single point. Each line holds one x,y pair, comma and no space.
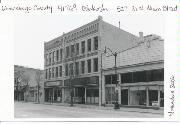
31,110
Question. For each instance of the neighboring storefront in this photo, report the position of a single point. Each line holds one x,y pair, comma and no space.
84,90
53,91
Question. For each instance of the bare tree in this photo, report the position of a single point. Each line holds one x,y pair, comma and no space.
18,74
25,81
38,78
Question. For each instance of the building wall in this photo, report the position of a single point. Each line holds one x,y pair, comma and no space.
88,31
116,38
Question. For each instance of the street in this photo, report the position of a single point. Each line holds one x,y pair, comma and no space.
32,110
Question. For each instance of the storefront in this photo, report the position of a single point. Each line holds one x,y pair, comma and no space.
141,88
53,91
84,90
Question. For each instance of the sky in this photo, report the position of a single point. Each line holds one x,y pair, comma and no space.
31,31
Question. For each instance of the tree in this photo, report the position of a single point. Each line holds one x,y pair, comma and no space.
25,83
18,74
38,79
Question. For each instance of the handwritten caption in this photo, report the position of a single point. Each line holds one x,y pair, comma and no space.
87,8
172,97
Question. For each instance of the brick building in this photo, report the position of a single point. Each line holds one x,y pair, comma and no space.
73,60
76,65
26,81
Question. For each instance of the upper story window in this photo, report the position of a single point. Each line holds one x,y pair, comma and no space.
89,45
95,65
77,68
66,70
61,54
83,47
53,58
49,73
71,69
53,72
82,67
57,71
72,50
77,48
96,43
46,74
46,58
89,65
50,54
67,51
60,71
57,55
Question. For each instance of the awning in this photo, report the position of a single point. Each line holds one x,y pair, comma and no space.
86,81
53,83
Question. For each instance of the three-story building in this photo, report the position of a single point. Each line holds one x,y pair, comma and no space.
73,61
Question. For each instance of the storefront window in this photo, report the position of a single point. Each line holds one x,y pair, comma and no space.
111,79
143,76
110,95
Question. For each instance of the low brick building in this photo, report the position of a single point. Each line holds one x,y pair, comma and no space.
140,74
26,82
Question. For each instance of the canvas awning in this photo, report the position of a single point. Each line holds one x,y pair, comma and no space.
86,81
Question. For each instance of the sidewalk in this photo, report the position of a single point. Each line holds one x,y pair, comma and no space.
123,109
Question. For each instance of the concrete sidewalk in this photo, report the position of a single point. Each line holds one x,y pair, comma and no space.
123,109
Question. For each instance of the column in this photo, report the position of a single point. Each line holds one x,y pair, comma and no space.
74,91
53,95
147,97
119,90
62,90
128,95
85,95
103,90
159,97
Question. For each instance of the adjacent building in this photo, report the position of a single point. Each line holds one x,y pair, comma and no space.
139,72
76,64
26,83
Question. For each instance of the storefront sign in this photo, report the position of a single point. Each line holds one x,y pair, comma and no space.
57,83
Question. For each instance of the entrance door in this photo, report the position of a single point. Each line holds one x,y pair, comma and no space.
92,96
124,97
153,97
57,95
79,95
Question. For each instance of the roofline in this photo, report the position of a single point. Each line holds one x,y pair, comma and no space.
133,65
135,46
20,66
72,30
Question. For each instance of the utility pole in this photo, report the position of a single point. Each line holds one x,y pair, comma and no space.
72,76
116,105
